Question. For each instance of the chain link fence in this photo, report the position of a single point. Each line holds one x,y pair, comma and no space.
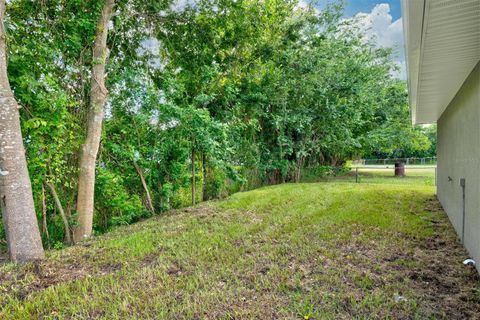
413,174
391,161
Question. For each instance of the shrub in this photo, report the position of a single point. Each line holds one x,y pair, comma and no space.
113,204
318,172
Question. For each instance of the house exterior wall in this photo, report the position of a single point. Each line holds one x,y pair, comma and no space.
458,153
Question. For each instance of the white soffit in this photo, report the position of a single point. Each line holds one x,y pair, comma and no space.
442,39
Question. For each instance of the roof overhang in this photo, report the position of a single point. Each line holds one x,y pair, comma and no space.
442,45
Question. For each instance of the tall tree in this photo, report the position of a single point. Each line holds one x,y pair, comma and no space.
98,97
16,199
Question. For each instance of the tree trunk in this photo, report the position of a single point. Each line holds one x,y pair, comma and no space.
98,96
145,187
16,199
68,236
193,176
44,214
205,177
300,165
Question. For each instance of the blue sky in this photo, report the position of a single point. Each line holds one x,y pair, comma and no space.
352,7
355,6
382,22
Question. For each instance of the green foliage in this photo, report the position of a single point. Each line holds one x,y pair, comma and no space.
263,92
48,62
114,206
222,181
58,245
319,172
395,136
3,242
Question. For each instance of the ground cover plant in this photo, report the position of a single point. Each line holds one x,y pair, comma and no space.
324,250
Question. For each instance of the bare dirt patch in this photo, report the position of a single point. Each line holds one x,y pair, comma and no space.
452,289
437,275
22,280
431,269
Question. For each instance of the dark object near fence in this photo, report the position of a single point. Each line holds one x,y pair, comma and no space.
399,169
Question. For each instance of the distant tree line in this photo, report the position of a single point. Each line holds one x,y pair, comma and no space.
130,108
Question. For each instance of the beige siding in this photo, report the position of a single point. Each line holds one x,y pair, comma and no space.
459,157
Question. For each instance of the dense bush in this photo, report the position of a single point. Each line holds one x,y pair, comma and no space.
316,173
114,205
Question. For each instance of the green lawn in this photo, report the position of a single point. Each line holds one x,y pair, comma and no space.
381,248
414,176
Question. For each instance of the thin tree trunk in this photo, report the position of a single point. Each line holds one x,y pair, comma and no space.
300,165
98,96
205,177
193,176
44,214
145,187
58,203
69,210
160,190
16,199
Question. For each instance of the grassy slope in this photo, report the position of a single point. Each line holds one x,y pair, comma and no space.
322,250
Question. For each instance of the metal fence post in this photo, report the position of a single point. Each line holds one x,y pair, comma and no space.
356,174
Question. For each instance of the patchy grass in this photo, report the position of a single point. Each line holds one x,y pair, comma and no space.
329,250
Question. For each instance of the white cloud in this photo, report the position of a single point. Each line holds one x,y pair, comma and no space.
380,27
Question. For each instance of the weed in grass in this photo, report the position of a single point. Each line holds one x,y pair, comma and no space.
324,250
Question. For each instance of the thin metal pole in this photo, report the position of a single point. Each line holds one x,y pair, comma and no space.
356,174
